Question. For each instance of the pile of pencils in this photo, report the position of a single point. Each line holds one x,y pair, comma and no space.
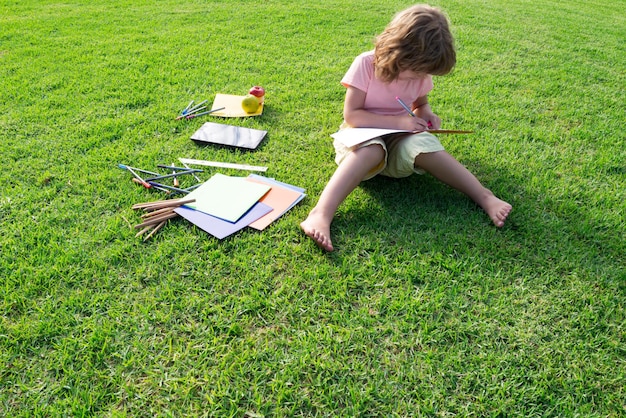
193,111
154,181
157,214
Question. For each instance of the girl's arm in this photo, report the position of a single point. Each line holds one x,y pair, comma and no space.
422,109
357,117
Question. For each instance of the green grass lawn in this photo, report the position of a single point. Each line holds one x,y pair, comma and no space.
425,309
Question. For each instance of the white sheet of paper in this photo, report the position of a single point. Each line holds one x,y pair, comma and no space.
354,136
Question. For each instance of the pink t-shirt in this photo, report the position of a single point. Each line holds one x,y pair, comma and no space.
381,97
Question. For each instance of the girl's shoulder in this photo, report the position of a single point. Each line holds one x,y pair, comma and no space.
367,57
363,62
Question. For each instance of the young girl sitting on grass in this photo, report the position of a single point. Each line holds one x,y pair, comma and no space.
416,45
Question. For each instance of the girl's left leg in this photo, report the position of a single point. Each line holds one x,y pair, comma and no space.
448,170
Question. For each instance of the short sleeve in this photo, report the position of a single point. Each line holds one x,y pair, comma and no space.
361,72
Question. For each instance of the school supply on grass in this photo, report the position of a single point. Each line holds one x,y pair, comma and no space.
222,205
355,136
186,166
260,213
174,174
150,177
190,109
280,198
232,106
220,228
227,197
157,214
193,111
190,161
234,136
136,176
208,112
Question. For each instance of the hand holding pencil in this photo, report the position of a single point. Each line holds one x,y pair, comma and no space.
419,124
429,126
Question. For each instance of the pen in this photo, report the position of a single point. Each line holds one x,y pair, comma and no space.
408,109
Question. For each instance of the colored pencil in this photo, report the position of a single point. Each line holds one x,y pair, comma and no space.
154,231
159,204
196,177
166,176
165,186
157,212
153,187
142,181
124,167
185,168
176,182
144,230
157,220
185,110
195,186
205,113
435,131
195,108
404,105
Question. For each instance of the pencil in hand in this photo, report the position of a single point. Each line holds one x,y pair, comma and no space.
407,108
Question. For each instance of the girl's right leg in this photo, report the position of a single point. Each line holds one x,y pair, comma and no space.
346,178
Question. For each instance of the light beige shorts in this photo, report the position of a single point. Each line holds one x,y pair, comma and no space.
400,153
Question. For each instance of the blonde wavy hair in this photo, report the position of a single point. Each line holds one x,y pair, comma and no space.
418,39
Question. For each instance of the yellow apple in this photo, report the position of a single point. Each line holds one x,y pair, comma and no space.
250,104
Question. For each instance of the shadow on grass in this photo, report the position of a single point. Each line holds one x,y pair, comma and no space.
419,214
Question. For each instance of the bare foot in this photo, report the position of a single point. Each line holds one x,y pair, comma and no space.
498,210
316,227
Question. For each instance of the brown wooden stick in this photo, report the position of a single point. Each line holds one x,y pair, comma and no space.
157,212
168,204
156,228
143,231
150,205
160,204
157,219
